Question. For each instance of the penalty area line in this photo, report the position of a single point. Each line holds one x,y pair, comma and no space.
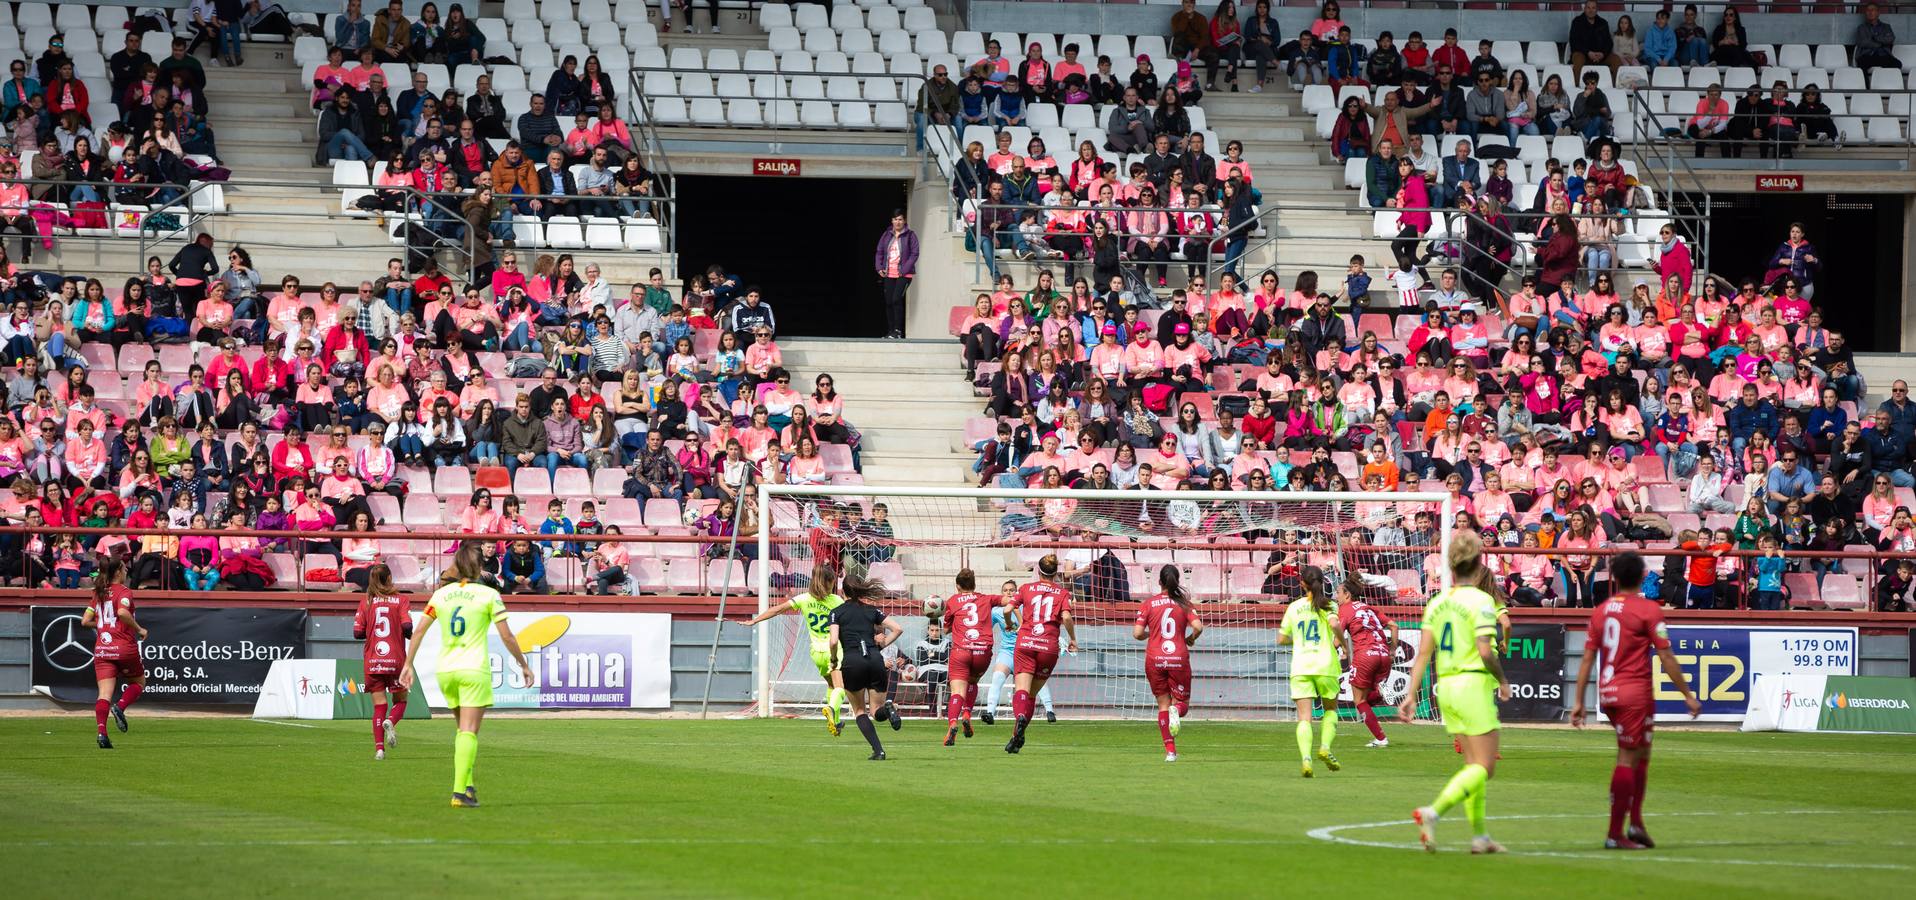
278,722
1333,834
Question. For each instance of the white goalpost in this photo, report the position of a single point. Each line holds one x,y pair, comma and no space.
1239,554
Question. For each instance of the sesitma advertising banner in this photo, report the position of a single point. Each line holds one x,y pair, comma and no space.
194,656
320,689
581,661
1533,660
1722,661
1848,703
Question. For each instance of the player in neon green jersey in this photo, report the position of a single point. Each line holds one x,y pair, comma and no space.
1460,640
465,610
1310,630
816,605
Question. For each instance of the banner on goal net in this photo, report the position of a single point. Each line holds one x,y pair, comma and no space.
1240,555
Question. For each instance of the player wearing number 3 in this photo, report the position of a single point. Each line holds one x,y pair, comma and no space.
1168,627
968,621
1630,630
1460,641
1310,630
1044,606
464,609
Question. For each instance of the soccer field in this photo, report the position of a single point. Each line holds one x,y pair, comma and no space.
577,807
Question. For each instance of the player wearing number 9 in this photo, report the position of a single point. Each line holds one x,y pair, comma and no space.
1460,641
1168,627
464,608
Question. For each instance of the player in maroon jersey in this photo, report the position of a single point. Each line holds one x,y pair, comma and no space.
1373,640
382,622
968,621
1629,629
116,647
1168,627
1043,607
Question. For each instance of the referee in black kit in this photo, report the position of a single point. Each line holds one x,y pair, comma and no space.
860,632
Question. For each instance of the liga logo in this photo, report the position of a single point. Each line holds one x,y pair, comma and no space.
1844,701
1794,700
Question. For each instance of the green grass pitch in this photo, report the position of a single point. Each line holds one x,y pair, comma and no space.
592,807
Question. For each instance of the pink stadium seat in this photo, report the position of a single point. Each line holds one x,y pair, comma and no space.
722,572
1650,469
1840,591
649,573
752,572
1665,498
956,319
608,482
1247,582
662,512
320,561
452,481
1206,581
1682,520
1407,580
564,574
1801,588
572,483
423,510
98,356
175,357
623,512
407,573
493,364
891,575
678,549
837,457
1376,323
531,480
135,356
682,575
385,506
284,567
416,478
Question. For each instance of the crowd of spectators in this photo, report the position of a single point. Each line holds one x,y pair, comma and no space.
251,403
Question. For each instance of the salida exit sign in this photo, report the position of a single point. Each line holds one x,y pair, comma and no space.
1793,183
781,167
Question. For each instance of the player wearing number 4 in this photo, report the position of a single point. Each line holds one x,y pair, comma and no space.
465,609
1310,630
1460,641
381,622
1168,627
1044,606
116,648
1630,630
816,605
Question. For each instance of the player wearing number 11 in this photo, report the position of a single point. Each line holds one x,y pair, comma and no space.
1630,630
1044,606
465,610
1460,642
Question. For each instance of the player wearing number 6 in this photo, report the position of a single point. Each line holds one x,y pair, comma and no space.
465,609
1310,630
1630,630
1460,641
1168,627
968,621
1044,606
381,622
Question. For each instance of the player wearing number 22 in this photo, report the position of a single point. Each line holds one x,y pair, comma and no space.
1630,630
1044,606
465,609
116,648
1459,640
968,621
381,621
1168,626
1309,628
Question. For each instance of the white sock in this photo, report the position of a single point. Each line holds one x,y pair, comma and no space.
997,689
1044,697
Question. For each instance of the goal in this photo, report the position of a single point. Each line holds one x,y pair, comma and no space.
1240,555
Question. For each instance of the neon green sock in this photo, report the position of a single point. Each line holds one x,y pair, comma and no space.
1467,779
465,754
1329,727
1475,806
836,700
1304,738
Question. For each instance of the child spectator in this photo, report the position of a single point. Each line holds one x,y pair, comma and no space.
1770,567
1892,590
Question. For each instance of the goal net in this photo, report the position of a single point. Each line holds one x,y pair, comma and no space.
1240,555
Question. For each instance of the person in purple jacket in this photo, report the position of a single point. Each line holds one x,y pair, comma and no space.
896,261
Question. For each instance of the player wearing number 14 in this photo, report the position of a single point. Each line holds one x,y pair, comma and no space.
1310,630
1630,630
1168,626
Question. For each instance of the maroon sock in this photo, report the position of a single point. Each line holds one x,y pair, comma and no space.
970,698
379,726
1164,731
951,711
99,715
398,710
1021,704
131,694
1622,787
1369,716
1640,783
1184,708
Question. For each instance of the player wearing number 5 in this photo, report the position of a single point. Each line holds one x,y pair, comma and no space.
465,609
1168,626
381,622
816,605
1630,630
116,647
1460,641
1044,606
1310,628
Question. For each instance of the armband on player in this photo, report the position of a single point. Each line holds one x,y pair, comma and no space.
359,634
406,630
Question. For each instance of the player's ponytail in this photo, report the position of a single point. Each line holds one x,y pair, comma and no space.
109,572
1467,569
824,582
379,581
966,579
1048,566
465,566
1313,578
859,589
1169,584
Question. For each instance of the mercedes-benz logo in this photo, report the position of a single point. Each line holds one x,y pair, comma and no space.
60,643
